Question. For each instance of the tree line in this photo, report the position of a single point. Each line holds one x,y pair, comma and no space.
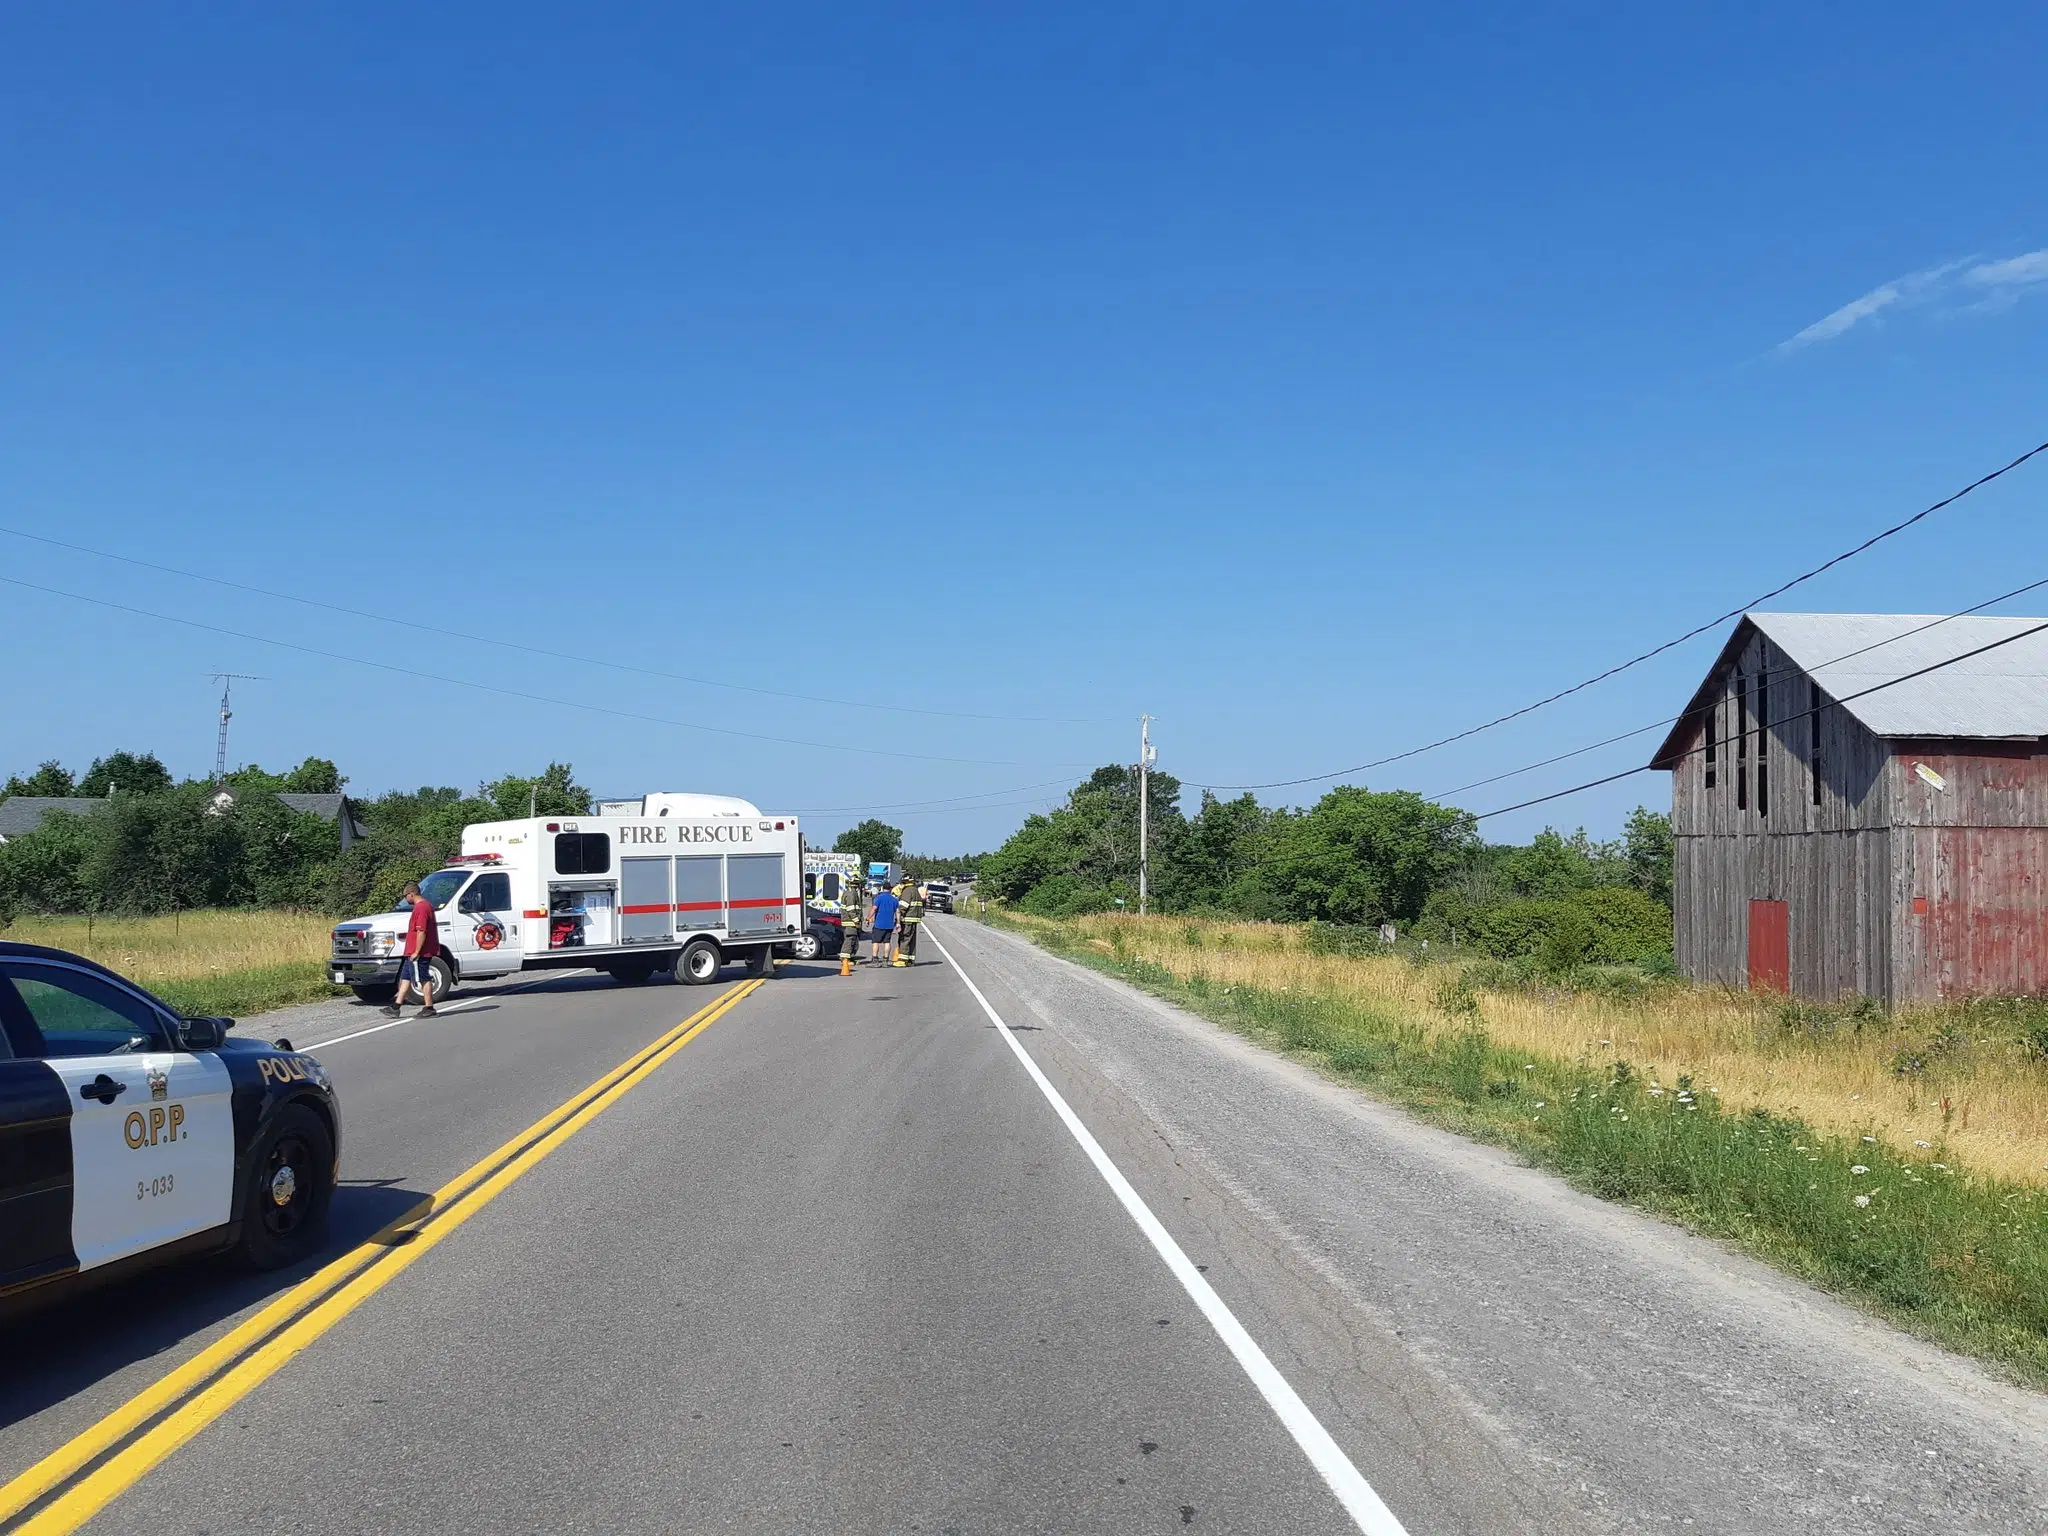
1357,858
159,845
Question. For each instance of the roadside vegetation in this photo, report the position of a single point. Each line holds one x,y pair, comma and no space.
1900,1161
209,962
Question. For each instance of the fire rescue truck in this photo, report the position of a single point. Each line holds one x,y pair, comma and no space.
683,884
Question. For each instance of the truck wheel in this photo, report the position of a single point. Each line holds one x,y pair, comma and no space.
804,946
377,992
444,976
631,975
698,964
287,1189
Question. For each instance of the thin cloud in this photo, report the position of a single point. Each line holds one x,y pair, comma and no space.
2014,272
1914,289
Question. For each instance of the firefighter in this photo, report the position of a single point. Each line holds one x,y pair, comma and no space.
852,903
909,913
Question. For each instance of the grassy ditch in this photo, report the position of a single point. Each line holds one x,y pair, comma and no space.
224,962
1908,1226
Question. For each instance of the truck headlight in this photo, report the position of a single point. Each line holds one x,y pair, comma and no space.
384,943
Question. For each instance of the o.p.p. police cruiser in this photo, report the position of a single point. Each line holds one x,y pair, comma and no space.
130,1134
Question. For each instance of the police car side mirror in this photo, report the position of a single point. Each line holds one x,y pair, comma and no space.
203,1034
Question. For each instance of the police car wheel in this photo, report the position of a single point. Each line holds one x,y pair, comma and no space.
804,946
290,1184
698,964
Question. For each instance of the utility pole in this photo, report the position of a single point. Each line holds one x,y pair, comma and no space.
227,680
1146,757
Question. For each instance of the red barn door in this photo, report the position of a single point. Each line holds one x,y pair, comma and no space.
1770,947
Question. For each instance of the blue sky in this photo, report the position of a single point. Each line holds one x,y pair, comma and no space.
1320,379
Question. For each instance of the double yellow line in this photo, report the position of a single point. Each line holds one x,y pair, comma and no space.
90,1471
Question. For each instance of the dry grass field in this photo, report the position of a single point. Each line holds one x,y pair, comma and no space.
234,962
1949,1078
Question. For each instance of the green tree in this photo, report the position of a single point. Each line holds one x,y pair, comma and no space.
554,792
873,841
40,870
1220,847
1649,848
52,780
125,773
1360,856
315,776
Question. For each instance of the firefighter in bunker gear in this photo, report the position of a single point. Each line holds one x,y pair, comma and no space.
909,913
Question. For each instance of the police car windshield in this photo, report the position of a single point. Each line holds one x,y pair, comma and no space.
440,887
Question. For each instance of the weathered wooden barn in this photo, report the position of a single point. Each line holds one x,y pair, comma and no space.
1860,805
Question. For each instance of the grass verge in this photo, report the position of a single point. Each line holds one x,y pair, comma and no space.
1954,1255
228,962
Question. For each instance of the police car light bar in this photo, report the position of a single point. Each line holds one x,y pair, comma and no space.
476,858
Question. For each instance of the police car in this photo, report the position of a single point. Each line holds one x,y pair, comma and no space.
131,1135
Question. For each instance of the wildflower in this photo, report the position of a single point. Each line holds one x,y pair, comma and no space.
1942,1166
1862,1200
1656,1093
1859,1168
1539,1103
1871,1139
1923,1143
1528,1066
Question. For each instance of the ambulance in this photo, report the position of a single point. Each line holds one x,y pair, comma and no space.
676,883
827,878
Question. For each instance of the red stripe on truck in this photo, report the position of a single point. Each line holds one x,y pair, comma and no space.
659,906
535,912
698,906
766,901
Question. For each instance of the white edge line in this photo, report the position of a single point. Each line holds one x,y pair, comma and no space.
473,1002
1360,1502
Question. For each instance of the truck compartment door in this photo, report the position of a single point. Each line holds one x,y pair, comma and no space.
644,901
700,893
755,896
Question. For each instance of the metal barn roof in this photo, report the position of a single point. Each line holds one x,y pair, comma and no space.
1999,695
21,814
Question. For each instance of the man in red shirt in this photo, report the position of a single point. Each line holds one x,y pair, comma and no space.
422,944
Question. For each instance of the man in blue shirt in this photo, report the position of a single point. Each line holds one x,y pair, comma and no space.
884,925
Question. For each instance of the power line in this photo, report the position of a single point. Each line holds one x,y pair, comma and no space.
1768,674
1805,714
516,693
1633,661
537,650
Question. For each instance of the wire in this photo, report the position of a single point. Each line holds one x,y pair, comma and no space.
1690,634
1804,714
536,650
515,693
1767,675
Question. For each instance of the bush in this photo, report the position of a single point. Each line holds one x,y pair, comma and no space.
1066,896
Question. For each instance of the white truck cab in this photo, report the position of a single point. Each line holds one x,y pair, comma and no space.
681,883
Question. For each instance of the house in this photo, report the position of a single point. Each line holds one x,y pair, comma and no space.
24,813
1860,805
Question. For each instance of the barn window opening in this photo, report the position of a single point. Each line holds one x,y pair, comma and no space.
1739,729
1763,744
1713,739
1814,706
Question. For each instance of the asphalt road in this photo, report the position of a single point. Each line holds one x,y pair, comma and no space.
838,1266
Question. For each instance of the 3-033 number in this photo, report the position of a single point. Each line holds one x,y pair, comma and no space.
161,1185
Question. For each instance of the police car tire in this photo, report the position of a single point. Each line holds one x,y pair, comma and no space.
274,1235
804,946
698,964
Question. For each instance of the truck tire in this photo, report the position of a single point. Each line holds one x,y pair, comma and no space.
699,963
286,1189
631,975
379,992
760,961
444,976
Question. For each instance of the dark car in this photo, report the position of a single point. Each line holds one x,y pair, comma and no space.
130,1134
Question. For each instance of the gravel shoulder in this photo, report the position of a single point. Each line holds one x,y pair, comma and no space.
1458,1318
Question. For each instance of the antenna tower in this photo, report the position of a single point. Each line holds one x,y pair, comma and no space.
227,680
